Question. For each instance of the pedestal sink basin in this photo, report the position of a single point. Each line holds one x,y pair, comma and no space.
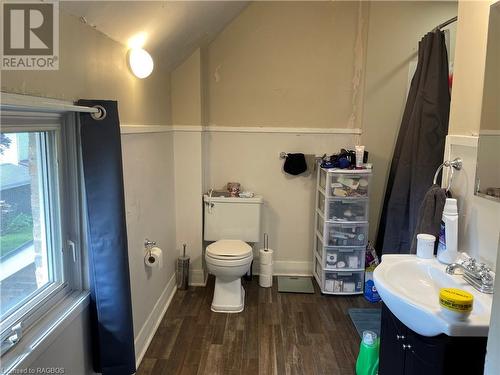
409,286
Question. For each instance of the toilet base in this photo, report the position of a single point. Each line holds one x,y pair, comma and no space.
229,296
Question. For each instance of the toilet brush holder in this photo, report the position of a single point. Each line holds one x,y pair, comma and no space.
182,271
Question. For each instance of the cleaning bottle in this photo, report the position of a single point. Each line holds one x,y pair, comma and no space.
448,234
367,362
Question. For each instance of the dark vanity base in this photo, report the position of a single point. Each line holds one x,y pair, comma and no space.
405,352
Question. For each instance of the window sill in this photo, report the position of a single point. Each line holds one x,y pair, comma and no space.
39,337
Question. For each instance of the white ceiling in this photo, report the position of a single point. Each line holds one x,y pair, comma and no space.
174,29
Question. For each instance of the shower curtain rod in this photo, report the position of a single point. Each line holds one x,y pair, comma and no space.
446,23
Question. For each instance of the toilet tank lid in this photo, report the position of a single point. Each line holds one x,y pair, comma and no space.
256,199
229,248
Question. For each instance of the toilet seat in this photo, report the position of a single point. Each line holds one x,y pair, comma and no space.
229,250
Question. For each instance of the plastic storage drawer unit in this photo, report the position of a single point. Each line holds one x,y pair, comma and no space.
341,226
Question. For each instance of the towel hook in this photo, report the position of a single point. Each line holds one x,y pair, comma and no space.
452,164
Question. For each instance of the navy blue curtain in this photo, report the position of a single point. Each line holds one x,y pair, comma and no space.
111,308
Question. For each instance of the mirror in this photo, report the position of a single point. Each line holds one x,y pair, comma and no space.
488,154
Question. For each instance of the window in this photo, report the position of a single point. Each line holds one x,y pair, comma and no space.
39,219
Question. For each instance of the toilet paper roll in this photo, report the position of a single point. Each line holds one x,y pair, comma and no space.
266,269
266,281
266,257
154,258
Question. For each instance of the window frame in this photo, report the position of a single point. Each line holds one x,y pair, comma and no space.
65,191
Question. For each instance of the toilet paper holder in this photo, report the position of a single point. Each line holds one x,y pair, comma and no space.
149,245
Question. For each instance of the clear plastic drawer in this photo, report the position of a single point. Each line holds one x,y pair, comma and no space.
340,282
349,184
344,282
344,258
345,234
347,209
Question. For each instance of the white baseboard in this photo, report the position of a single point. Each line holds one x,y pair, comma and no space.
286,268
154,319
197,278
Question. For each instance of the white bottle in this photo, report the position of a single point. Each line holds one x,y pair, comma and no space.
448,234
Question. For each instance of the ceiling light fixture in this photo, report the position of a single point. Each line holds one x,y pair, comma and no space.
140,62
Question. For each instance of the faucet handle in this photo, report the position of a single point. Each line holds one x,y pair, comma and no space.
470,264
484,267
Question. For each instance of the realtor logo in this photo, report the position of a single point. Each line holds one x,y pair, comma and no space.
30,36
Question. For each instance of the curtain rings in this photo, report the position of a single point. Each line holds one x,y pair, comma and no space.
100,115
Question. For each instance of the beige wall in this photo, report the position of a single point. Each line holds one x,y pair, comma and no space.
288,64
470,56
490,114
92,66
186,86
291,65
392,45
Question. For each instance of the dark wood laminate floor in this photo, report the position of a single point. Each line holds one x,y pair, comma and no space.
277,333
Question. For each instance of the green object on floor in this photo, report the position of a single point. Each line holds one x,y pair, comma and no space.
295,284
367,363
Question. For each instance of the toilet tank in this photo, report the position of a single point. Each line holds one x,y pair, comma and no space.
232,218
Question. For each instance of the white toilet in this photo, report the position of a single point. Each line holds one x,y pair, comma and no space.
231,223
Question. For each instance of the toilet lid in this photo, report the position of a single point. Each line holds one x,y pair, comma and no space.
231,249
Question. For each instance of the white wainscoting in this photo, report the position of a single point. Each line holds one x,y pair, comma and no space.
252,158
210,156
145,335
479,218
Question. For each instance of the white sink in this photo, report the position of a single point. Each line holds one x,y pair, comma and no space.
409,286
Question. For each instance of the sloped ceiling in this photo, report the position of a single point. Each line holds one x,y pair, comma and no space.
173,29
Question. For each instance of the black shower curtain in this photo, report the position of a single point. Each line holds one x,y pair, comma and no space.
419,148
110,302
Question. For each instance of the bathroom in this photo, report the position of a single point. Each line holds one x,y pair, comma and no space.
233,85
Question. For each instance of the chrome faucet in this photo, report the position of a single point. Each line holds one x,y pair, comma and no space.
476,274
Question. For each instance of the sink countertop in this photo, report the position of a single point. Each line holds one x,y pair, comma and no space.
409,286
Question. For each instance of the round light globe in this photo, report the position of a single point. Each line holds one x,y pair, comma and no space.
140,62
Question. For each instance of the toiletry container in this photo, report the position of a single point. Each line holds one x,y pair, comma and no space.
455,303
448,234
425,245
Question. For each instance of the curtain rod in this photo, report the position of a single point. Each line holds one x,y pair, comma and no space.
446,23
19,102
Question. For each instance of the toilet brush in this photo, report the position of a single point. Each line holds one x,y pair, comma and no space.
183,270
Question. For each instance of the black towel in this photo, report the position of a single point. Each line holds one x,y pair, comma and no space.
295,164
429,215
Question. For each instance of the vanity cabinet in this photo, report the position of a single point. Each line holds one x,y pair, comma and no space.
405,352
